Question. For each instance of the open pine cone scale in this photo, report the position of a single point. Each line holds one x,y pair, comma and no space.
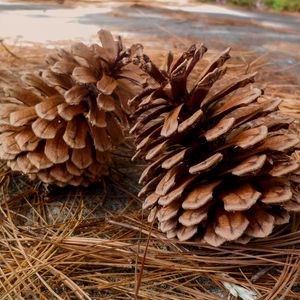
219,155
61,124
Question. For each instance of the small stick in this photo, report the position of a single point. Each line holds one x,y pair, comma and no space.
135,228
105,193
6,48
140,275
261,273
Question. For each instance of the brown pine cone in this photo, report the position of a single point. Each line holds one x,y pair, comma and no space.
219,155
61,124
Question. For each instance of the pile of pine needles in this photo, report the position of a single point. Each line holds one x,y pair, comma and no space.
58,247
58,244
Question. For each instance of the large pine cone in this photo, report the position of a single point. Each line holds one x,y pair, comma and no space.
61,124
218,150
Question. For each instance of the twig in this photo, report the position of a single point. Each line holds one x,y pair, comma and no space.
139,277
9,51
135,228
261,273
105,193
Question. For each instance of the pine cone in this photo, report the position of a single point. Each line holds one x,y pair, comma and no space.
62,124
219,165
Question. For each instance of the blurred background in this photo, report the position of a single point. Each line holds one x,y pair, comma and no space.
262,32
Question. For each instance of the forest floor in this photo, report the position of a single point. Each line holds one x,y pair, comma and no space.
71,243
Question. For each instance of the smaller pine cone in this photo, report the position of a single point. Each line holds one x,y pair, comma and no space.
218,150
61,125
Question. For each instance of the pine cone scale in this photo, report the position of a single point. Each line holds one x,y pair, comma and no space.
75,94
194,216
106,84
39,159
249,166
22,116
48,108
26,140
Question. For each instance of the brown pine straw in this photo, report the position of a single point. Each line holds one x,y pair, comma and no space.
57,246
54,249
